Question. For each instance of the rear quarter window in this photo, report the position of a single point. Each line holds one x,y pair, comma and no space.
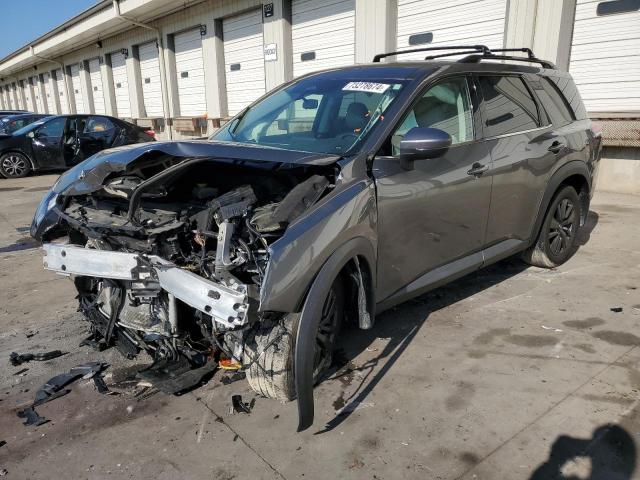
556,106
509,106
569,91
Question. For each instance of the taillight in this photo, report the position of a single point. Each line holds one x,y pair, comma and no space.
151,133
596,128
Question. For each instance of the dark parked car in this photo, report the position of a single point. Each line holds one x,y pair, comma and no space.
62,141
15,121
338,195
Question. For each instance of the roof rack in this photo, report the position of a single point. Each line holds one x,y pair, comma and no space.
475,53
473,49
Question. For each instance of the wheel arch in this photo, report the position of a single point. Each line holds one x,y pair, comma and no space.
356,251
575,174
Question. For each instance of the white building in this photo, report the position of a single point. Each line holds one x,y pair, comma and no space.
182,66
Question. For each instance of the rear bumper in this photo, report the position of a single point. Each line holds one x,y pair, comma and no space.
226,304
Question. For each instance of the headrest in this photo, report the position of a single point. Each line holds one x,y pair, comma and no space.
357,116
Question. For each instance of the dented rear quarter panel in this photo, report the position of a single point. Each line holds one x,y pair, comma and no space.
348,212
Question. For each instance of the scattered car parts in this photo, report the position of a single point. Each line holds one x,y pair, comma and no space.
20,358
54,388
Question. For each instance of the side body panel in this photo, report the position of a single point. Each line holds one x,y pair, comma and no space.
346,214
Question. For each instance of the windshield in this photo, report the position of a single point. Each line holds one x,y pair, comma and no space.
29,127
320,114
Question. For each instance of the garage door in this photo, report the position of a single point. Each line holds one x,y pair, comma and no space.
121,85
150,74
28,97
454,22
190,71
35,81
17,95
97,91
243,59
605,55
62,91
48,93
76,84
323,34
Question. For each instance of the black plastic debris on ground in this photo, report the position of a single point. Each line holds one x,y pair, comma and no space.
2,443
238,406
53,389
229,379
100,385
616,309
20,358
176,376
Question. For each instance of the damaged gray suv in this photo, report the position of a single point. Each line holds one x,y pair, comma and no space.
330,199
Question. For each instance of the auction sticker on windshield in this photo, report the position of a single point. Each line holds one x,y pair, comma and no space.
370,87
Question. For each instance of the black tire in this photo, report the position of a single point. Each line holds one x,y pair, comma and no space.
270,347
14,165
556,242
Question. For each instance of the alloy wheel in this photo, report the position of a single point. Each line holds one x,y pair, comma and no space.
14,165
561,229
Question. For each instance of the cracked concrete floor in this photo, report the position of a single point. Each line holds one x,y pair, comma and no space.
513,372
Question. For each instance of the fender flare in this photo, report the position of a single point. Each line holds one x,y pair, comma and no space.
310,317
575,167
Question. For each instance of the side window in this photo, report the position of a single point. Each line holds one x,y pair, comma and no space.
509,107
98,125
53,128
446,106
554,103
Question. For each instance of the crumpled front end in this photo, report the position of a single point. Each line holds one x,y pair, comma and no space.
169,255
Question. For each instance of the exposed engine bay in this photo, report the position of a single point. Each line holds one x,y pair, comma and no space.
169,257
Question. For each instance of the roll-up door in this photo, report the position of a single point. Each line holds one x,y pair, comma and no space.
62,91
190,72
150,74
35,82
243,59
432,23
76,83
121,85
322,34
97,90
48,92
605,55
17,95
28,94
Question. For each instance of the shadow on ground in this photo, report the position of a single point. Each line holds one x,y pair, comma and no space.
402,323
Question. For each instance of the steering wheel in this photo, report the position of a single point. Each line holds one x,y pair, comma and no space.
345,136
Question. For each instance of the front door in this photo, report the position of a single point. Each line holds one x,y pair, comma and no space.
437,212
47,143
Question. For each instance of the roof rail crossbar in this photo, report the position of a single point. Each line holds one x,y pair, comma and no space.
475,48
451,54
528,51
475,58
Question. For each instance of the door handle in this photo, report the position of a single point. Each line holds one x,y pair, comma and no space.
477,169
556,147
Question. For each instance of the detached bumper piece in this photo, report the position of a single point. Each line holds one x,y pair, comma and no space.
226,304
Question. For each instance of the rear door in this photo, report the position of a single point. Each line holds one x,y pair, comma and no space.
524,149
98,134
434,215
47,143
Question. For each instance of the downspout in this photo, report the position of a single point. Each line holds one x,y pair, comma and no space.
163,71
64,75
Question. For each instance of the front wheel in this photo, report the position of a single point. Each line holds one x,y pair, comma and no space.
556,241
270,348
14,165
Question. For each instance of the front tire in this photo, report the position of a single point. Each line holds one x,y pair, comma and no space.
14,165
270,348
556,242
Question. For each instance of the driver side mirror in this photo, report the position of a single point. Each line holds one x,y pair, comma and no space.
422,143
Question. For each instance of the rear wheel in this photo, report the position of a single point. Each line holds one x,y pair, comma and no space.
270,348
14,165
556,241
